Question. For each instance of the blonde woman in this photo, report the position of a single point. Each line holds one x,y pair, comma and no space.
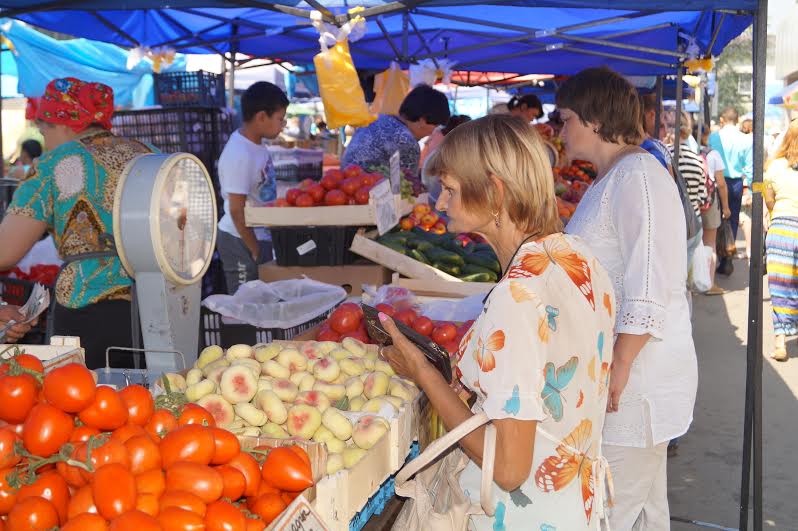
631,217
781,198
537,358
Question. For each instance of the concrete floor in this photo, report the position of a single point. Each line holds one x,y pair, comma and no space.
704,478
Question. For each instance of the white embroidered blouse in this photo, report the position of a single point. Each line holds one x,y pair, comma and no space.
632,220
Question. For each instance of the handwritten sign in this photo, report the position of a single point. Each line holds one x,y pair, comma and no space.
385,207
300,516
396,173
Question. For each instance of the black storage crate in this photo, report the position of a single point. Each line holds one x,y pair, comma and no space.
213,331
331,245
189,89
16,292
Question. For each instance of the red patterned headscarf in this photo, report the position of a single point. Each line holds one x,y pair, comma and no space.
77,104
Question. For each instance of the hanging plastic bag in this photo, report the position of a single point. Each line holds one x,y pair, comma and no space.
339,85
725,245
283,304
699,279
390,88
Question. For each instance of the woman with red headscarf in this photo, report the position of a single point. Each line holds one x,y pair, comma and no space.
69,192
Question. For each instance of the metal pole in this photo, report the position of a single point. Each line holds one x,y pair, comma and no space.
231,94
677,123
752,444
405,32
658,112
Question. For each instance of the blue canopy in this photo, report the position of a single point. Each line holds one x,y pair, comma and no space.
521,36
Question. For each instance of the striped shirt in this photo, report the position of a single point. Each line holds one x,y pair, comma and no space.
691,166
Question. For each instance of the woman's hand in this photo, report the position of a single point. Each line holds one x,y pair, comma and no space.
619,376
405,358
726,213
18,331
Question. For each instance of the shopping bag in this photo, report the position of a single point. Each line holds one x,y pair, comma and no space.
339,87
699,279
725,245
390,89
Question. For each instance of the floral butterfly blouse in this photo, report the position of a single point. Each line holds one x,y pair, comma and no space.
541,350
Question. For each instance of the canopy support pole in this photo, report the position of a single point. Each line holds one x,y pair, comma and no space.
116,29
658,112
397,53
231,94
583,51
421,38
752,442
171,20
715,34
405,42
677,123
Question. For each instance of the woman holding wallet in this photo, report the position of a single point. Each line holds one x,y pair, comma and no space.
538,357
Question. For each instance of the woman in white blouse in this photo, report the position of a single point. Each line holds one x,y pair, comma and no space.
632,219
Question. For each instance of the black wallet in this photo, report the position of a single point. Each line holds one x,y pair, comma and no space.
436,354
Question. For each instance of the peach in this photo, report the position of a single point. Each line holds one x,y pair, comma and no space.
251,415
238,384
352,367
307,383
291,359
285,390
268,352
325,347
275,431
274,369
352,456
176,382
376,384
303,421
354,387
357,403
209,355
221,410
196,391
296,378
337,423
239,351
340,354
270,403
354,346
369,430
316,399
249,363
326,370
334,392
221,362
194,376
384,366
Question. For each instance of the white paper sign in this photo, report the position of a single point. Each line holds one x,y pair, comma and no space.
299,516
384,206
306,247
396,173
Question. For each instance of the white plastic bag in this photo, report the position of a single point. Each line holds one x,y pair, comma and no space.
467,309
700,279
282,304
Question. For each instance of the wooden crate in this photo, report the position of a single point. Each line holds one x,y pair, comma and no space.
61,351
350,277
321,216
442,288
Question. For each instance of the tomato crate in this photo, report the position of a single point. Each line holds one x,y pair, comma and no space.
214,330
313,246
189,89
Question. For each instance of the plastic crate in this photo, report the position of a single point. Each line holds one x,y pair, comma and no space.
214,281
16,291
380,499
297,164
214,331
330,245
189,89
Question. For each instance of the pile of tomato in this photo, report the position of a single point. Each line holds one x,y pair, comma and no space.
351,186
82,457
347,321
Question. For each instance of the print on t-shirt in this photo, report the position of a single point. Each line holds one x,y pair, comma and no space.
266,188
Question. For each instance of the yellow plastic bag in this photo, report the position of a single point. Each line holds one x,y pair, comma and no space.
390,88
339,87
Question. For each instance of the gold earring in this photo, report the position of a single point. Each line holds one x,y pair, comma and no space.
496,220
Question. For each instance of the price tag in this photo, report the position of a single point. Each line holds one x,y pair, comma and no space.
306,247
396,173
300,516
384,206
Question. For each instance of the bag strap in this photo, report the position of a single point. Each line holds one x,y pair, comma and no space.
439,446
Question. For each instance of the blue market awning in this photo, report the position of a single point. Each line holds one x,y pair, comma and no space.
555,36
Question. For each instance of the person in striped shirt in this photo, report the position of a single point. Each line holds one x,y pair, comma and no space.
692,168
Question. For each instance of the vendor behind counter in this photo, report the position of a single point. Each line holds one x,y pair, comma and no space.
69,192
422,110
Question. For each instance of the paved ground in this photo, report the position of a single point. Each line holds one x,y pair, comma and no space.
704,479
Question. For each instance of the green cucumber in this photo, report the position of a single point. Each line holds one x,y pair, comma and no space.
471,269
483,260
478,277
453,270
395,247
445,257
417,255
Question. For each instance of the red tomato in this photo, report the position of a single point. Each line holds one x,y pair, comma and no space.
335,174
464,328
106,412
127,432
253,524
306,184
177,519
247,465
72,474
46,429
226,446
335,198
111,452
304,200
329,182
26,361
328,334
423,325
70,388
224,516
52,487
33,514
288,497
387,309
352,171
344,320
354,307
8,495
114,490
444,333
362,196
81,502
407,316
291,196
148,504
144,453
317,192
286,470
192,443
8,457
161,423
200,480
370,179
139,403
86,522
194,414
18,395
82,434
349,186
359,334
16,428
135,521
184,500
151,482
281,202
269,507
234,482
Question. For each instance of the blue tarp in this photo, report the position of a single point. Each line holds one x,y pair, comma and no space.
38,59
266,33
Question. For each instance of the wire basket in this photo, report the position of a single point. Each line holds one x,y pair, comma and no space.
189,89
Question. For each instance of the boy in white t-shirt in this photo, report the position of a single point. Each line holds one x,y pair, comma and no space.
246,176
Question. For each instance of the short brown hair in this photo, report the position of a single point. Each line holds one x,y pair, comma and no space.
730,115
605,98
511,150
